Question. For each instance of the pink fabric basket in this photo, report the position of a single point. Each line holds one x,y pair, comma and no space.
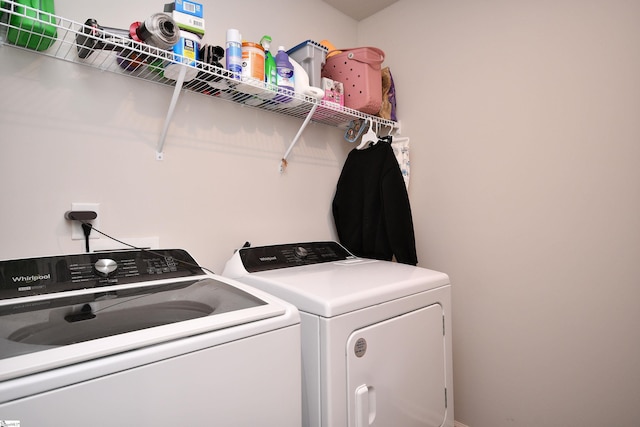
359,71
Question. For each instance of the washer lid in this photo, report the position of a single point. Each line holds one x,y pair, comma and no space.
333,287
59,326
60,335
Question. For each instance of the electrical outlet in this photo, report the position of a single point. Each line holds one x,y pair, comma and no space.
76,226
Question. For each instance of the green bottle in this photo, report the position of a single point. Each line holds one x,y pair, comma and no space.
269,64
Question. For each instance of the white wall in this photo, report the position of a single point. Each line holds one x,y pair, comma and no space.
74,134
525,189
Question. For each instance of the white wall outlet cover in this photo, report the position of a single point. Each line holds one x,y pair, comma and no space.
76,226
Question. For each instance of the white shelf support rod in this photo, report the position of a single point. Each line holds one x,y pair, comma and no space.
172,107
283,163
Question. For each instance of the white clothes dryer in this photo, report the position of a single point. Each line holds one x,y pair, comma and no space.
143,338
376,335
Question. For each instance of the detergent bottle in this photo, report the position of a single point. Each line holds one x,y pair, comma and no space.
284,71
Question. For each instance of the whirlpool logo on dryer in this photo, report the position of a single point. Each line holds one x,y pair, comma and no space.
32,278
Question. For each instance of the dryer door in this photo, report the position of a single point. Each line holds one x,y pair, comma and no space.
396,371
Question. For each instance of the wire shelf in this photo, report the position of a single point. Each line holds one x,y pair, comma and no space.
64,39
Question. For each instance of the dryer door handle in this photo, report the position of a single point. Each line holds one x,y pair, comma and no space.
365,406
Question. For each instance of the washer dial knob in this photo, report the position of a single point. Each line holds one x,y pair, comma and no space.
300,252
105,266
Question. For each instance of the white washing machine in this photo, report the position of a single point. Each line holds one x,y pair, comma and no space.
376,335
141,338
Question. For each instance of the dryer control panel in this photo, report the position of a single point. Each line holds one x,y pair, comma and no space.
35,276
262,258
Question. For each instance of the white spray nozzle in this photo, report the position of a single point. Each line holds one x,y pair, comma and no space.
265,42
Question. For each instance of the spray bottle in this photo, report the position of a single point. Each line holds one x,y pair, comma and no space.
270,77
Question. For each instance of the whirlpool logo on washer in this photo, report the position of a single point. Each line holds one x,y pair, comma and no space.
31,279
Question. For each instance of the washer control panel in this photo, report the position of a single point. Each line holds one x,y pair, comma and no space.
35,276
262,258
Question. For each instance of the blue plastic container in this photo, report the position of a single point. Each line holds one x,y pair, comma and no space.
32,24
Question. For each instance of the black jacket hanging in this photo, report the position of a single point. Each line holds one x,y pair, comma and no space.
371,206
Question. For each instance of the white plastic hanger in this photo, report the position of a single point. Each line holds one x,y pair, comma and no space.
370,136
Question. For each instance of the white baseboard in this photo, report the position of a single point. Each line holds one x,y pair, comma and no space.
459,424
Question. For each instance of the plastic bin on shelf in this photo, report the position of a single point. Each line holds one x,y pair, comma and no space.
31,23
359,70
311,56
